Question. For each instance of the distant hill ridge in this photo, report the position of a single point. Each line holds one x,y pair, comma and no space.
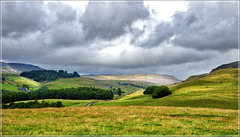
229,65
153,78
18,67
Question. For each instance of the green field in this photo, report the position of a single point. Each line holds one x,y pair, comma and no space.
103,84
119,120
218,90
14,79
9,87
206,106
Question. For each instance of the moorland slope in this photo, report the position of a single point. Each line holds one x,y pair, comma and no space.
18,67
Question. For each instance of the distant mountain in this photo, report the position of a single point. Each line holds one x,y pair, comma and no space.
229,65
18,67
153,78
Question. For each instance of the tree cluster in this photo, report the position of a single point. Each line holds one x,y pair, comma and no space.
158,91
68,93
3,79
150,89
25,86
132,85
48,75
33,104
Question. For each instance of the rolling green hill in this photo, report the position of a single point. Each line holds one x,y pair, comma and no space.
14,79
126,86
217,90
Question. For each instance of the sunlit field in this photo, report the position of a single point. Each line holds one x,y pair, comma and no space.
131,120
14,79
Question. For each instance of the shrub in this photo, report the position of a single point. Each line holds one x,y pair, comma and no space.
150,89
33,104
161,91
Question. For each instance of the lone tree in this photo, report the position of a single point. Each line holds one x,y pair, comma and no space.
119,91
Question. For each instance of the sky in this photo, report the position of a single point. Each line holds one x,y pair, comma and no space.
180,38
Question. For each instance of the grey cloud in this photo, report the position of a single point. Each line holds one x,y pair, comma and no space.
184,19
184,70
138,58
162,33
19,18
207,26
61,12
66,35
108,19
204,26
181,71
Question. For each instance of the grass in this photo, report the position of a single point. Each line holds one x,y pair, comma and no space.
9,87
103,84
218,90
65,102
131,120
14,79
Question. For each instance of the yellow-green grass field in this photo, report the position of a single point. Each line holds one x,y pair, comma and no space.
9,87
120,120
218,90
14,79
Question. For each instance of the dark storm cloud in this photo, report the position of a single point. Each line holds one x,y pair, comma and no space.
21,18
108,20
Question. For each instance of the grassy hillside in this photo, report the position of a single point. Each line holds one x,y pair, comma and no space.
218,90
196,77
14,79
104,84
